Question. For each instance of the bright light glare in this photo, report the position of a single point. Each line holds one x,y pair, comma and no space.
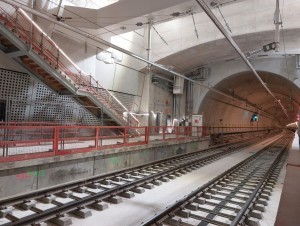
92,4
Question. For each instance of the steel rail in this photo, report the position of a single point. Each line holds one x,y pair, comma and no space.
69,207
106,43
221,28
170,210
41,193
241,214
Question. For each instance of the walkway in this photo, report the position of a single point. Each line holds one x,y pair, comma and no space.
289,207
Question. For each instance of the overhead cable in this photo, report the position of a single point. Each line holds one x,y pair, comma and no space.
196,31
215,20
160,35
104,42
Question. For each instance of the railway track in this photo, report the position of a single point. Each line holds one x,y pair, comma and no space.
236,197
51,204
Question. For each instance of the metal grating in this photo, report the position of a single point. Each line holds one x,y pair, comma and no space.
32,101
126,99
14,86
52,107
86,118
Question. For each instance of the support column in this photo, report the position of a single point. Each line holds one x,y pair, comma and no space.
146,97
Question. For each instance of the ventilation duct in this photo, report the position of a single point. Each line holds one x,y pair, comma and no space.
178,86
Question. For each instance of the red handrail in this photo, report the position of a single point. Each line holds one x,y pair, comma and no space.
20,141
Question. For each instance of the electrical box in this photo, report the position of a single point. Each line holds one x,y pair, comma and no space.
197,120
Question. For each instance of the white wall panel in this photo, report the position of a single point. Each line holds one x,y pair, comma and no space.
128,81
105,74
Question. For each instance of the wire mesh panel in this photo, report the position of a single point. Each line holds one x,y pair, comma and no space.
76,137
184,132
169,132
15,86
111,137
121,136
137,135
19,140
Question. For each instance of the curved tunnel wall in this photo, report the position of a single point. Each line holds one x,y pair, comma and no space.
222,111
281,75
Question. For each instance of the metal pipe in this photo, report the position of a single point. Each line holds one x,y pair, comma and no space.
76,30
149,40
163,78
277,24
215,20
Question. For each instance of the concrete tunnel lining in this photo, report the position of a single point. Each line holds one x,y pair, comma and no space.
245,86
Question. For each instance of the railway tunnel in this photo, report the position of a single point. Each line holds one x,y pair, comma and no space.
130,112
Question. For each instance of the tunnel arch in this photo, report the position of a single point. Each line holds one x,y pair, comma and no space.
219,110
280,66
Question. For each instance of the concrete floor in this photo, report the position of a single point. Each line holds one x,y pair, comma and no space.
140,208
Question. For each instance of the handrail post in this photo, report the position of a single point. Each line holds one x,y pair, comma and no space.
147,134
96,137
16,24
125,134
55,140
31,36
57,59
90,80
78,79
42,43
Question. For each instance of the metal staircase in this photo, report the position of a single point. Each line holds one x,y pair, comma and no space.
25,42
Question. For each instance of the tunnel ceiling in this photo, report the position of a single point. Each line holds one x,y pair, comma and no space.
245,86
221,51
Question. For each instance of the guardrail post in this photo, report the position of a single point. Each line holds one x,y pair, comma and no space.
164,133
55,140
177,131
96,137
147,134
125,134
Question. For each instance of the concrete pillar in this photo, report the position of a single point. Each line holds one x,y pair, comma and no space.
146,96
